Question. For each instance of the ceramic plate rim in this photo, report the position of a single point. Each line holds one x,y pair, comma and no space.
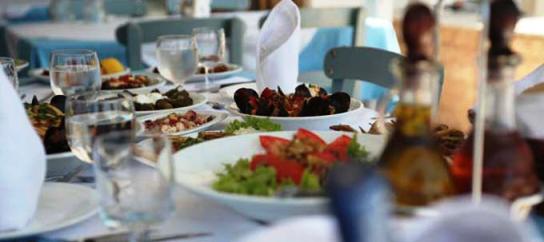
234,68
92,195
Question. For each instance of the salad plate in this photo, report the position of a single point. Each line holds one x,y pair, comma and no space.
59,205
197,170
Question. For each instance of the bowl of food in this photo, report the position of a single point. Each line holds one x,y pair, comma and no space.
310,107
172,100
267,176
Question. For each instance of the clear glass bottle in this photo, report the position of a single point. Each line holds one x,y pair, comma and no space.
411,161
508,169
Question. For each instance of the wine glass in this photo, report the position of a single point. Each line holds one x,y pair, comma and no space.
177,57
8,65
134,179
89,115
211,49
74,71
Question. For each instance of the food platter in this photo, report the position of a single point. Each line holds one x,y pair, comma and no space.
197,168
215,118
197,101
156,82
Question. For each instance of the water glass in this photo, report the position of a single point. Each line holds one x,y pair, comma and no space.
90,115
8,65
135,180
211,49
74,71
177,55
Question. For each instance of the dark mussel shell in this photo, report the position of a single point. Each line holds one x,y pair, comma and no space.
35,100
340,102
315,106
242,98
302,91
55,140
59,101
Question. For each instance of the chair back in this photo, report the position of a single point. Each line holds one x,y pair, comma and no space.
362,63
132,35
333,18
230,5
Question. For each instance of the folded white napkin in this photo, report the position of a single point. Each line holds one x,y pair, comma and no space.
22,161
278,48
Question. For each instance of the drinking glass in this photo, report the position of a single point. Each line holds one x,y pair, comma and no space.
89,115
8,65
134,179
74,71
211,49
177,57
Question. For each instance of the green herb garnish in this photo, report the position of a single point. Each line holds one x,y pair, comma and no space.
356,151
259,124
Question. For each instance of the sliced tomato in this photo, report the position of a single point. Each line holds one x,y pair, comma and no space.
273,145
309,135
339,147
285,169
322,158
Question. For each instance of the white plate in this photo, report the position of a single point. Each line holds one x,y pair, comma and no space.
198,100
22,64
117,74
160,82
233,69
218,117
196,169
37,74
352,117
212,76
60,205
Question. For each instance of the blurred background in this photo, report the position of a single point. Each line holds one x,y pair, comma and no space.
459,30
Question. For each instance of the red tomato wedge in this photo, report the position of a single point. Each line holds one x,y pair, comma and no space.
339,147
285,169
309,135
273,145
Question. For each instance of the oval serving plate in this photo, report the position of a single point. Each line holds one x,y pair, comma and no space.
322,122
198,100
217,117
159,82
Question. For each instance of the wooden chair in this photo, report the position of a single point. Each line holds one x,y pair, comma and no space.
134,34
362,63
333,18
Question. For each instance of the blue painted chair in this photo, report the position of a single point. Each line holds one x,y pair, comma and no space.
230,5
134,34
344,65
111,7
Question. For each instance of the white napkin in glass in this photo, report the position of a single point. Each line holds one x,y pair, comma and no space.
278,48
22,161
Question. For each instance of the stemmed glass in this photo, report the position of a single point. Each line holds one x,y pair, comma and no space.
89,115
211,49
134,179
74,71
8,65
177,57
